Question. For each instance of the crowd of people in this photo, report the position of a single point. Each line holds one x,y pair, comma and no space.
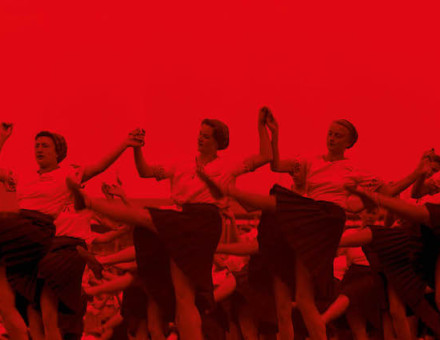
335,255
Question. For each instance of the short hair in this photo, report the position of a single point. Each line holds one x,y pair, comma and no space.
350,127
59,142
220,132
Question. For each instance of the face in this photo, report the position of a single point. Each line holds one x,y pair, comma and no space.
206,141
338,138
369,217
45,153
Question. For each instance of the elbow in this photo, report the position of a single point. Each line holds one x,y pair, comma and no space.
274,167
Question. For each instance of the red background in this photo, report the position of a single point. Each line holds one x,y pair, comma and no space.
93,70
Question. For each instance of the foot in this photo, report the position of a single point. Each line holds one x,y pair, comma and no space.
80,200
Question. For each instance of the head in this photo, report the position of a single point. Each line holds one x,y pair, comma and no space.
213,136
435,164
369,216
341,135
50,149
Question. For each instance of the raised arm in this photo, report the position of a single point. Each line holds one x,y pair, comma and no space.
424,185
5,133
401,185
92,170
278,165
265,154
144,169
6,175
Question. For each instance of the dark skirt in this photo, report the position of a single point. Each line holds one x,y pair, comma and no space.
188,237
366,292
255,289
25,237
62,269
304,228
401,252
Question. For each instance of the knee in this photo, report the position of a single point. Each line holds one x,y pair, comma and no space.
184,295
303,301
7,301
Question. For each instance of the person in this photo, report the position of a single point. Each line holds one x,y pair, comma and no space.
189,234
299,235
27,234
396,248
361,293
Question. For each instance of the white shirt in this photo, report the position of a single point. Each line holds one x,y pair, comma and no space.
47,192
74,224
187,187
325,180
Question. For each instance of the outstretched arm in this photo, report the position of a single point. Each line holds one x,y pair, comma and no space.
265,154
420,172
424,185
125,255
92,170
5,133
412,212
277,164
111,235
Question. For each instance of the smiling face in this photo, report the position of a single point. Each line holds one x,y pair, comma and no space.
206,141
338,138
45,152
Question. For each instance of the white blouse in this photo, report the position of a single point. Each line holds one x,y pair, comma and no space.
187,187
47,192
325,180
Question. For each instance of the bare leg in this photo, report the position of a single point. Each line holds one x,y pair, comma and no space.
398,315
12,319
283,301
142,331
305,299
247,323
35,324
263,202
336,309
187,315
49,311
358,239
358,325
155,321
388,330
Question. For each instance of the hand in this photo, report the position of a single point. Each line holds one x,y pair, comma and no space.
426,164
263,114
113,190
10,182
272,123
136,138
5,130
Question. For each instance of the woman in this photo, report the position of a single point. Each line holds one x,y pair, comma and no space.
409,255
189,235
303,232
26,236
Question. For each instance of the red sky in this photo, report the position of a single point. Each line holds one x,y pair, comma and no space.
93,70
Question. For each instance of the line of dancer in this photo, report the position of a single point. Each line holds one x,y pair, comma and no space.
300,231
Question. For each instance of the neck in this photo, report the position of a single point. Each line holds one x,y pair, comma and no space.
334,156
205,158
48,168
